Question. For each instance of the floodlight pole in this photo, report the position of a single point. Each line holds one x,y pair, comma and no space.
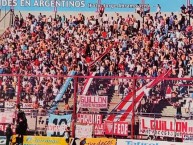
98,5
55,8
11,13
187,3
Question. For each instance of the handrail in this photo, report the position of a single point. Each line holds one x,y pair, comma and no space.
96,77
2,34
2,20
5,16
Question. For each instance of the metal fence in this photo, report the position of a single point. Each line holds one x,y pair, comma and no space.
128,99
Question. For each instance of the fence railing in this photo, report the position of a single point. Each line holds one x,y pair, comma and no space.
116,101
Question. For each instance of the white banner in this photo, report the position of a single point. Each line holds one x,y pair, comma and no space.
83,131
6,117
27,105
9,104
165,127
147,142
99,102
42,121
31,121
57,124
188,139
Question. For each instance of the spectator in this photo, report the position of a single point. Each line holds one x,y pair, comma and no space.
67,134
183,8
8,134
138,9
158,9
21,124
66,108
56,112
174,102
47,46
189,108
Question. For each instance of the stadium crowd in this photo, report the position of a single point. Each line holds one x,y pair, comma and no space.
55,46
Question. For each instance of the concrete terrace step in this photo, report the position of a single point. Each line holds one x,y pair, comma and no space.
114,102
171,111
2,31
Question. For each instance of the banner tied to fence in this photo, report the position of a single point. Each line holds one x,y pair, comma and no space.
89,118
84,131
116,128
7,117
99,102
57,124
165,127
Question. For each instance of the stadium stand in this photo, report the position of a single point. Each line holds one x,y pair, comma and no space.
100,46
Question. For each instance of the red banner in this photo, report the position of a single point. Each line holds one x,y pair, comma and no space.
99,102
99,129
89,118
109,127
116,128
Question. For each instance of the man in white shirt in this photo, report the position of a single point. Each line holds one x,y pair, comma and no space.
189,107
158,9
105,19
147,93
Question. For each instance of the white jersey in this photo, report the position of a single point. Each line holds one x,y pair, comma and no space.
189,104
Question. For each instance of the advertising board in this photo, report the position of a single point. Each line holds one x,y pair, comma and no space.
147,142
100,141
89,5
40,140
